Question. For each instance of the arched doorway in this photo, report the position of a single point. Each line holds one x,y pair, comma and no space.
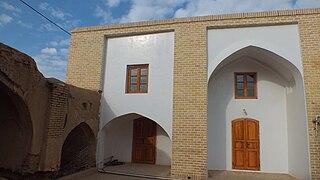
279,105
15,130
78,150
128,137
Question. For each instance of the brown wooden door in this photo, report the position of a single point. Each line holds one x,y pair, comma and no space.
144,141
245,144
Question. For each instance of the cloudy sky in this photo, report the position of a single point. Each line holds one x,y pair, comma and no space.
28,32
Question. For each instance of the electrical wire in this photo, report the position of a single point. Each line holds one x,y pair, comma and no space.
45,17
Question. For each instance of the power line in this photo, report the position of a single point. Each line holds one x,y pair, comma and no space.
45,17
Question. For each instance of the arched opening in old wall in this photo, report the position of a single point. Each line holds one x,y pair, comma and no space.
15,130
78,150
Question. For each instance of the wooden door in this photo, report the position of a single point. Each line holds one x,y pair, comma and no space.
245,144
144,141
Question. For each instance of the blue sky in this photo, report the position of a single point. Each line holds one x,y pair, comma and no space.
28,32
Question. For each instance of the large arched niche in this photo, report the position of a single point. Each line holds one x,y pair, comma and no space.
16,128
115,139
280,108
78,150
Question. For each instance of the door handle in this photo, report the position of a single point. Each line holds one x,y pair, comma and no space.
248,145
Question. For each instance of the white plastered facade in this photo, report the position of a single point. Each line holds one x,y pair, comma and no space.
274,53
156,50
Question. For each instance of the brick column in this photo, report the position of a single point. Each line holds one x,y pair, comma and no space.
189,143
310,48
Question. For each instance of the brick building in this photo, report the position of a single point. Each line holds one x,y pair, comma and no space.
228,92
48,128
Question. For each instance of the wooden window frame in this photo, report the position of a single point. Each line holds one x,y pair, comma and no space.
245,88
128,85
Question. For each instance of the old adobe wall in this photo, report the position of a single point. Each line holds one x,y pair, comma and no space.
37,116
86,60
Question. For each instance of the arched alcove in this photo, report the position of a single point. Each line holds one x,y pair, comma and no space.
78,150
279,107
15,130
116,140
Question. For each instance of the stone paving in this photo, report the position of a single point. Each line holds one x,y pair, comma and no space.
93,174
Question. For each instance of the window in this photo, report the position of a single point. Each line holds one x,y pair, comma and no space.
245,85
137,78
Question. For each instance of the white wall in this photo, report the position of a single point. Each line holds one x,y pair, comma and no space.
153,49
276,49
298,151
282,40
118,142
269,109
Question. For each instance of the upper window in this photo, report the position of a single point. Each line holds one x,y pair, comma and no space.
137,78
245,85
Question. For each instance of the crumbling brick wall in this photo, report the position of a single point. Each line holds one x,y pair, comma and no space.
51,109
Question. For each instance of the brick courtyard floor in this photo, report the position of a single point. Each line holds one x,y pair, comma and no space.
164,171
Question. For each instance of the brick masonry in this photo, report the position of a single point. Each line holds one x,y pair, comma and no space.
51,110
86,63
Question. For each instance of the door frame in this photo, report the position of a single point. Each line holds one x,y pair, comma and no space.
232,147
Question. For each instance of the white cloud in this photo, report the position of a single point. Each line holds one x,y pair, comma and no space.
55,12
307,3
104,15
52,62
53,66
113,3
141,10
5,19
146,10
211,7
64,42
9,7
49,51
26,25
64,52
48,27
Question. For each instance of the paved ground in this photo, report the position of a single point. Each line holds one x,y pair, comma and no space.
93,174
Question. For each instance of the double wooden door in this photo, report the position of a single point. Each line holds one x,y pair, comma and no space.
245,144
144,141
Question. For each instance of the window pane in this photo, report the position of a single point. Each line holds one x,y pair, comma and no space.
143,79
250,78
144,72
133,80
250,85
133,88
143,87
250,92
134,72
240,86
239,78
240,92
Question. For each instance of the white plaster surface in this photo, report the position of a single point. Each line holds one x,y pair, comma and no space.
276,55
157,51
282,40
118,142
153,49
269,109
